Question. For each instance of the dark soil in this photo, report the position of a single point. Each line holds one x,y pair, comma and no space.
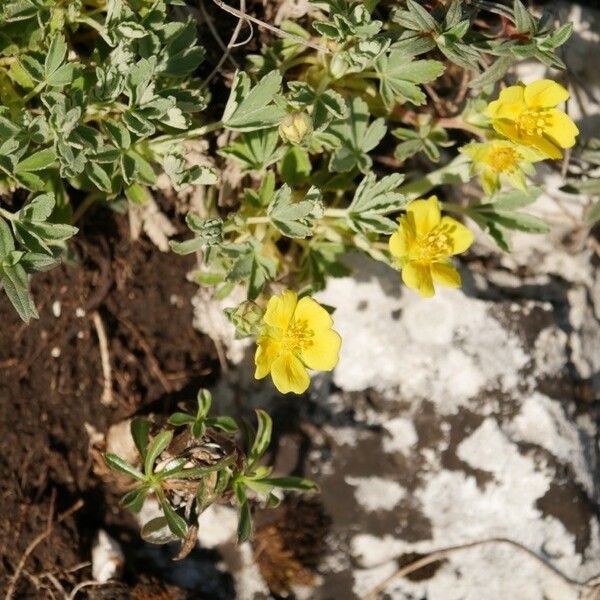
51,385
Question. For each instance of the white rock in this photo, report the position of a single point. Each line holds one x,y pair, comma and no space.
108,559
217,525
376,493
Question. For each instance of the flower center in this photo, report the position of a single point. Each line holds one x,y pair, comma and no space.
435,245
503,159
534,121
298,336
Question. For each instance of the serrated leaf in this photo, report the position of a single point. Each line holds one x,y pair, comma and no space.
253,110
356,138
294,219
399,77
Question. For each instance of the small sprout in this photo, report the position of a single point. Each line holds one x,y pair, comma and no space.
187,471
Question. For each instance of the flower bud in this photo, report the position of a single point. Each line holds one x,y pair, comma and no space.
245,318
296,128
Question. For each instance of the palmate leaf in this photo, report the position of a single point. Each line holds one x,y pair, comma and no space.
399,77
249,109
502,214
250,264
356,137
295,219
373,200
256,150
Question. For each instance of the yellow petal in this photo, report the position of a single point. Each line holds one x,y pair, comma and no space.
461,236
545,94
490,181
508,129
546,146
398,242
445,274
510,103
280,309
289,374
418,277
425,215
562,130
315,316
324,352
267,350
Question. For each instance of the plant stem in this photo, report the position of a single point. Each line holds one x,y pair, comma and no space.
34,92
192,133
330,213
7,215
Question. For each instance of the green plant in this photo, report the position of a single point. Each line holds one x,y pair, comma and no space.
97,98
194,461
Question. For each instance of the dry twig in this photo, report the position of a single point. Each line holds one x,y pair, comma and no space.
107,396
279,32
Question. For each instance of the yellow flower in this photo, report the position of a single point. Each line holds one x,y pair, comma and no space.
527,114
498,159
424,243
296,335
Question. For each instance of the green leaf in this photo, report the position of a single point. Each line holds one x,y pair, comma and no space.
37,161
16,286
118,464
7,242
134,500
356,138
399,77
140,431
98,176
262,439
204,400
39,209
372,200
198,429
514,199
157,531
62,76
55,56
176,523
180,418
255,150
295,166
227,424
249,109
244,530
292,483
295,219
157,446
